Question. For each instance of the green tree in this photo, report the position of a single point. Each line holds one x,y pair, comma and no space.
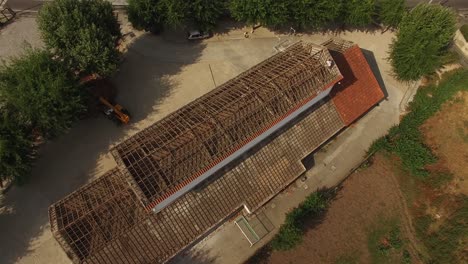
175,13
391,12
15,148
422,41
83,33
144,15
358,13
314,13
205,13
42,91
266,12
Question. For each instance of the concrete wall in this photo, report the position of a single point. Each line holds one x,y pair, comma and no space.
461,46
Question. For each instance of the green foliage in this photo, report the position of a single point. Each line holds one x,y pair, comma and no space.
391,12
270,13
144,15
358,13
205,13
41,91
405,140
314,13
15,147
422,41
464,31
290,233
174,12
444,244
83,33
385,241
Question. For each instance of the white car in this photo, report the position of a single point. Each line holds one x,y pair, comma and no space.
197,34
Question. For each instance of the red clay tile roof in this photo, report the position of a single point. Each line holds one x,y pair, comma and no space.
359,89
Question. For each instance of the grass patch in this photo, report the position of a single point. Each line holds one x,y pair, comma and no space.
464,31
385,242
352,258
445,245
405,140
290,233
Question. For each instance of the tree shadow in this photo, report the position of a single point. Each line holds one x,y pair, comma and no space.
71,160
334,29
194,257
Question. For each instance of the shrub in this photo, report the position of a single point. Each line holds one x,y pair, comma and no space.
405,139
290,233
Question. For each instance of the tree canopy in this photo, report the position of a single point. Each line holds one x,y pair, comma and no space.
205,13
144,15
42,92
15,147
83,33
391,12
358,13
175,13
266,12
314,13
422,41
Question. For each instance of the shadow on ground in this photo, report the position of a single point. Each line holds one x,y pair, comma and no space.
83,153
369,55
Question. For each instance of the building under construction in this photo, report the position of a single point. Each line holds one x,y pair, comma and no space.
234,148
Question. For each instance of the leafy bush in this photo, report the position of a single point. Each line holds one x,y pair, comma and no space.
266,12
205,13
314,14
42,92
175,13
405,139
83,33
290,233
358,13
144,15
391,12
422,41
15,147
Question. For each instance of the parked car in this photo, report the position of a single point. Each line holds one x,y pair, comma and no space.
197,34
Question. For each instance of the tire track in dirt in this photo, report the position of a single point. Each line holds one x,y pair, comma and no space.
407,222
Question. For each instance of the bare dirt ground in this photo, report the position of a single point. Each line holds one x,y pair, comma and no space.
366,197
446,133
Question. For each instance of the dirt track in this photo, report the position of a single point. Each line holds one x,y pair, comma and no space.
366,196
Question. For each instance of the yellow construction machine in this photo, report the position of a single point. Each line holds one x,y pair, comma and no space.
103,90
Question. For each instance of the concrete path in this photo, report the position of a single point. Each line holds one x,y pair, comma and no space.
332,164
158,75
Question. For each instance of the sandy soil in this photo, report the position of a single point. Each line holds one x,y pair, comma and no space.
446,133
365,196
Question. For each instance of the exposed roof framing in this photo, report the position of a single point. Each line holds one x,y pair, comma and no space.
87,219
180,147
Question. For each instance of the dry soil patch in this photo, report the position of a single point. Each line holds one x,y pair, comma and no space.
366,196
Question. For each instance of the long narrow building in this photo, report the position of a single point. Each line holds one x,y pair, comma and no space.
234,148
